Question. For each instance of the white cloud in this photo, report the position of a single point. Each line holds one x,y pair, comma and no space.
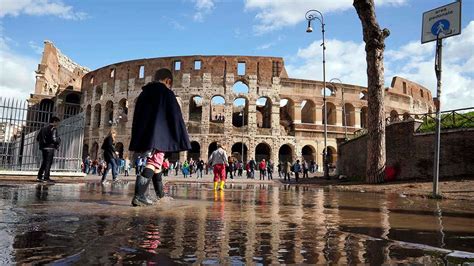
344,60
203,8
39,8
414,61
17,77
273,15
38,49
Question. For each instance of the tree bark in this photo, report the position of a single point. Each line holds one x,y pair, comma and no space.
374,39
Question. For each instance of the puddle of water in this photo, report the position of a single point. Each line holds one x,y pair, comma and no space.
255,224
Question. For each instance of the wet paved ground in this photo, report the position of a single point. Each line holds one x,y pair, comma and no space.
257,223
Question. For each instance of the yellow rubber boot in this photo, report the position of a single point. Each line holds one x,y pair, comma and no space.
215,185
222,185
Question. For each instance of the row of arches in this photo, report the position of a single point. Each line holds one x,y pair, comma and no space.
110,118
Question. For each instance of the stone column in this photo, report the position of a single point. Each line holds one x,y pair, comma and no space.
339,116
297,112
319,115
357,113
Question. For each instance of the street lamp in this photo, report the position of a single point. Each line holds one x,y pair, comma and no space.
343,104
243,124
311,15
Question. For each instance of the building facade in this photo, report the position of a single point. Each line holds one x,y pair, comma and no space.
248,103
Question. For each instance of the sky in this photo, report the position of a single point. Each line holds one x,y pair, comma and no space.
95,33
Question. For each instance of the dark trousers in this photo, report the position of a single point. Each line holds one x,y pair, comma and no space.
48,155
111,165
199,173
297,176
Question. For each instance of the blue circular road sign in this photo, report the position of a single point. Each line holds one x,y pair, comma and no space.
440,26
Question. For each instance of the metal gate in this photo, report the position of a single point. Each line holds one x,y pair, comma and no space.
19,126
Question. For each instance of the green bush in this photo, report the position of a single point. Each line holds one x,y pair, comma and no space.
448,121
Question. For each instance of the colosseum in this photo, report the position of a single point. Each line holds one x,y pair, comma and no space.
249,103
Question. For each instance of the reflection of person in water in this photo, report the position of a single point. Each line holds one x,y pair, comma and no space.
41,192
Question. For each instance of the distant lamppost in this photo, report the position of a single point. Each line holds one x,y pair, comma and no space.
343,104
310,16
243,130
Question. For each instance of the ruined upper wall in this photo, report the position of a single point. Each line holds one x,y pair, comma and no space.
264,68
56,72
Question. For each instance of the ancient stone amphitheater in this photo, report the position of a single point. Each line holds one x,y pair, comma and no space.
249,103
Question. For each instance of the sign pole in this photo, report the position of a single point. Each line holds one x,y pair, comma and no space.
438,57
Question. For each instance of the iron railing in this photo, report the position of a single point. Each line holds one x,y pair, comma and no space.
19,126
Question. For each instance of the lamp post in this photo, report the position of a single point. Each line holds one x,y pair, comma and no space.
343,104
310,16
243,130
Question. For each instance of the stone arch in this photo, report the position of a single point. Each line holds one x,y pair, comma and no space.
97,115
308,153
120,149
262,151
88,115
240,87
195,108
349,111
240,111
285,153
236,151
72,105
195,152
217,109
123,111
363,117
212,147
393,116
264,112
287,111
172,157
46,108
332,116
308,114
330,91
95,151
109,114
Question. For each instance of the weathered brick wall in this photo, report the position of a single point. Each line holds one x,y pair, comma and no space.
412,153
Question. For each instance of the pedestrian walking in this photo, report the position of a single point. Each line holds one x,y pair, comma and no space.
297,170
252,165
185,169
49,141
127,166
305,169
270,170
200,168
229,170
110,155
157,127
262,167
218,160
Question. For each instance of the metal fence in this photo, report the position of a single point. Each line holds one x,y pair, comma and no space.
19,126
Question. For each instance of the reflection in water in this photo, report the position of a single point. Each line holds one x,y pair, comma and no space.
90,223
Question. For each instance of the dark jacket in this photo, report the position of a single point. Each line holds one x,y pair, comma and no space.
158,122
109,149
48,138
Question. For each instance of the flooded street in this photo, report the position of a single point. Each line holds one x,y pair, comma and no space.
89,223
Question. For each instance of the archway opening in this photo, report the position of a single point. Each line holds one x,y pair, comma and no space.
217,109
328,91
308,114
285,153
212,147
349,111
85,151
123,111
98,93
195,109
195,152
94,151
262,151
109,114
97,115
88,115
119,148
264,112
331,156
240,88
308,153
72,105
331,109
240,112
236,151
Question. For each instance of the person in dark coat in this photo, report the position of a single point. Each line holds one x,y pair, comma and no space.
110,156
48,142
158,127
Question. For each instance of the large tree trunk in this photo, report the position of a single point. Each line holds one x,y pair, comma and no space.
374,47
